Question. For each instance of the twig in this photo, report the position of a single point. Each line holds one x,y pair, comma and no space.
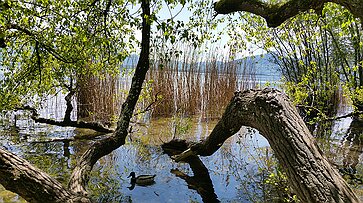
148,108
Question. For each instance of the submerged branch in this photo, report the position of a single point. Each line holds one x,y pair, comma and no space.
66,123
352,114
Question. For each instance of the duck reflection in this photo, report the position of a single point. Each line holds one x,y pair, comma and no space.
200,181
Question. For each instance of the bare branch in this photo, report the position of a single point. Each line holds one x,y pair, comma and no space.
149,107
66,123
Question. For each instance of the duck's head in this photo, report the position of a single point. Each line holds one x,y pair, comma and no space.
132,174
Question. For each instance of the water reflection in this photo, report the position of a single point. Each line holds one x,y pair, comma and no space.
66,150
352,145
235,173
200,181
351,148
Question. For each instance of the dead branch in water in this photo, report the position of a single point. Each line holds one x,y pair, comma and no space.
66,123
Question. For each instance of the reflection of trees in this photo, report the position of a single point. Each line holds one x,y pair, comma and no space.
47,149
352,145
201,181
251,165
104,185
49,157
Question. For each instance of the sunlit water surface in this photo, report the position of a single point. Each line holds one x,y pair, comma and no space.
236,170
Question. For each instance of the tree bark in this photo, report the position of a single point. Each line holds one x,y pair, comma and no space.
19,176
309,173
276,14
68,98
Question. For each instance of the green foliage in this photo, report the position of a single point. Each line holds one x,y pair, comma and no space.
316,54
277,182
180,125
49,43
274,180
357,97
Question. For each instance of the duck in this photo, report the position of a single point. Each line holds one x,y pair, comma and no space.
142,180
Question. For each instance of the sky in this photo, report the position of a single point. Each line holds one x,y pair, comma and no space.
184,14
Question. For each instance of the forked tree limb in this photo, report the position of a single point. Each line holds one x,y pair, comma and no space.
309,173
80,175
276,14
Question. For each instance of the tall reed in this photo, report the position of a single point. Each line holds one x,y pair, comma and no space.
187,84
191,84
96,97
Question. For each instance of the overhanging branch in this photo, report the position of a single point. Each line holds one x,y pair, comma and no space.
272,114
276,14
33,35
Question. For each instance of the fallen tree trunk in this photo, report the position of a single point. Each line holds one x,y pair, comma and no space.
18,175
309,173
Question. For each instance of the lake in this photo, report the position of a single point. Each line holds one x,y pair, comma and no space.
238,172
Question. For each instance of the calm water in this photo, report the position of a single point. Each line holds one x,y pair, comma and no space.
236,171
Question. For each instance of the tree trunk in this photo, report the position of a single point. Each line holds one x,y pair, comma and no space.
80,175
18,175
309,173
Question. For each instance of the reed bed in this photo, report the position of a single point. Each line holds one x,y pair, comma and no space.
186,85
97,97
192,84
220,84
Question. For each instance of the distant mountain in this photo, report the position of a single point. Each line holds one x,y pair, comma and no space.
131,61
261,67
